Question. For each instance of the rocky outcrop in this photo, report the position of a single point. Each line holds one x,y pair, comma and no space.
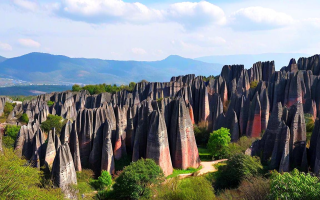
107,159
63,170
183,147
50,150
158,144
74,147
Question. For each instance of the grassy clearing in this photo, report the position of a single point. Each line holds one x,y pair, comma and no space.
204,153
177,172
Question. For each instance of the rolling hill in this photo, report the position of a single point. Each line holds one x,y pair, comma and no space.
56,69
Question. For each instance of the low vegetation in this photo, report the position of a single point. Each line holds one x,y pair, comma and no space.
201,133
8,108
24,118
177,172
193,188
53,121
10,135
237,168
97,89
20,181
50,103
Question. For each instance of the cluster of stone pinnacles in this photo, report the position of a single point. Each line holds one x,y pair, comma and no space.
156,120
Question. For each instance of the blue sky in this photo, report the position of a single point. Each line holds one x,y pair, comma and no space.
152,30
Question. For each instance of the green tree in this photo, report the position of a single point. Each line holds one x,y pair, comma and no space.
137,178
218,142
8,107
11,133
105,179
238,168
76,88
24,118
53,121
294,185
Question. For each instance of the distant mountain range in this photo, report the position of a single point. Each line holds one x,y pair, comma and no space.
56,69
42,68
281,59
2,59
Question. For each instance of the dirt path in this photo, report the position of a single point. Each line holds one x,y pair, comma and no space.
206,168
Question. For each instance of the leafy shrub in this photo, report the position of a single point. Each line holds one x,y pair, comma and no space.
136,179
11,133
219,142
294,185
53,121
241,145
8,107
20,181
238,168
24,118
201,133
204,154
104,180
50,103
255,188
76,88
193,188
253,84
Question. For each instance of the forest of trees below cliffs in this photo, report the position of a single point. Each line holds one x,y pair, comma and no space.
151,140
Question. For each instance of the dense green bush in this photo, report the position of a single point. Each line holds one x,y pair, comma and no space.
240,146
201,133
20,181
193,188
8,107
76,88
24,118
294,185
104,180
309,119
238,168
100,88
53,121
11,133
50,103
218,143
137,178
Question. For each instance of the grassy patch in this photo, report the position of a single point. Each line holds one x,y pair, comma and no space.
176,172
204,154
84,178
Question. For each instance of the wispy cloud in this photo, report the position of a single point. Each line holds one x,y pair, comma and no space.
5,47
29,43
138,51
259,18
25,4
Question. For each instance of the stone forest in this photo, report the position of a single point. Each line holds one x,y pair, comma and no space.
156,121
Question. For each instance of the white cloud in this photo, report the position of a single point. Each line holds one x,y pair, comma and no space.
104,11
203,40
196,14
138,51
188,14
5,46
259,18
29,43
28,5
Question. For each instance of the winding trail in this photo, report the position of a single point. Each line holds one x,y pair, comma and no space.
207,166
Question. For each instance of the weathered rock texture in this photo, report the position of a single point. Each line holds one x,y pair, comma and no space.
156,120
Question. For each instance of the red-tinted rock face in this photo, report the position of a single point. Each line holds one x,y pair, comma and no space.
254,120
107,159
183,148
158,145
